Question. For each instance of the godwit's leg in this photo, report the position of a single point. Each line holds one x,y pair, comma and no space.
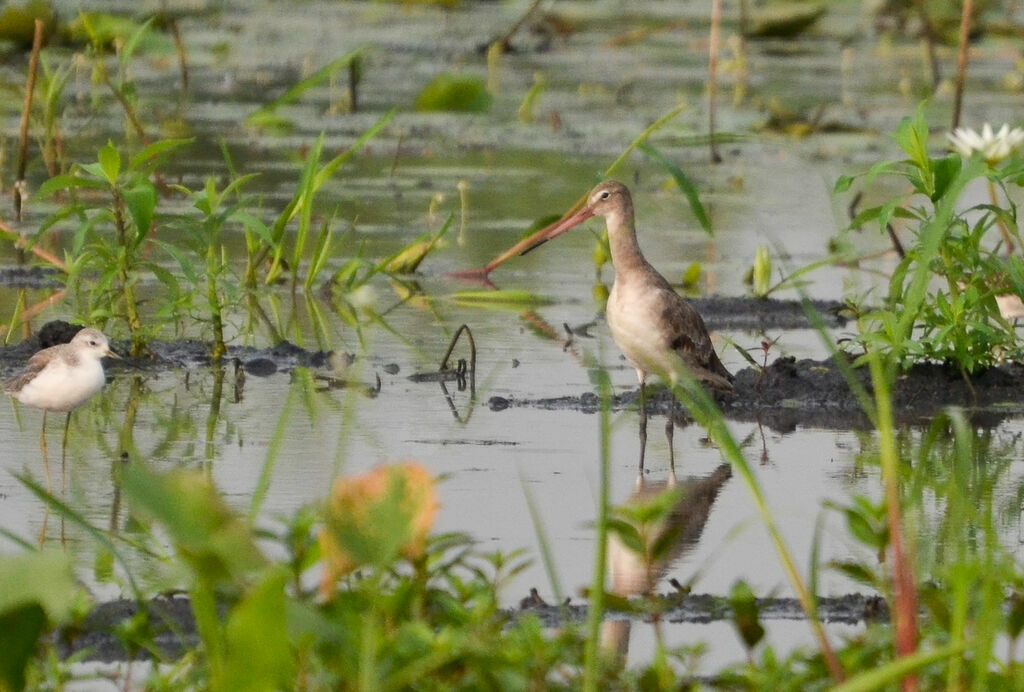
643,420
670,431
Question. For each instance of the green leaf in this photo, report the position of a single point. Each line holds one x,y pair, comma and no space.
746,616
515,299
141,201
259,654
685,185
156,152
912,137
843,183
945,170
20,632
883,676
629,536
124,56
212,539
110,163
43,578
331,166
265,115
68,181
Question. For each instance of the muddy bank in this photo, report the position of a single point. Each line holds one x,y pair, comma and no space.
786,394
185,354
173,632
815,393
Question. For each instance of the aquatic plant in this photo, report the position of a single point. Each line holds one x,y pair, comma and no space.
107,258
956,319
203,237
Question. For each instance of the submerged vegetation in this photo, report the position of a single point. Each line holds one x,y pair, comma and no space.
358,590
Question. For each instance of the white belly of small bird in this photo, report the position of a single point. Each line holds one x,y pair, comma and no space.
59,387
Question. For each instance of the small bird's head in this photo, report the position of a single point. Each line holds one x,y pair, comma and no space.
95,342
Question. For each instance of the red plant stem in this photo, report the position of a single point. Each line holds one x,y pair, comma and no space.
961,60
713,41
30,87
20,242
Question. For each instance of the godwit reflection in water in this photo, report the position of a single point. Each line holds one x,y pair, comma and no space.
675,528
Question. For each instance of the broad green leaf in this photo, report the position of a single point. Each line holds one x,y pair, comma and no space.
259,654
212,539
43,578
69,181
141,201
20,631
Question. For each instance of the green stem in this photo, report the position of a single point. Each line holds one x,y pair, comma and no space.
595,614
707,414
216,318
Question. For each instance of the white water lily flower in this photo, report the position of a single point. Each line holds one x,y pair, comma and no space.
994,146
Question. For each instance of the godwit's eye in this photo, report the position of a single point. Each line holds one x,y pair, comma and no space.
605,194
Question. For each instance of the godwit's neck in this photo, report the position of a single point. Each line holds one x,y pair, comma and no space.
626,256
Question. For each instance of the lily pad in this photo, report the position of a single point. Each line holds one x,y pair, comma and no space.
17,21
785,19
454,92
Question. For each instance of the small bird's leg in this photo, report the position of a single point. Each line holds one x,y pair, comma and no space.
64,454
46,458
643,422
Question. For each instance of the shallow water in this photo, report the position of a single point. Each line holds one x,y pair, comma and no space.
771,190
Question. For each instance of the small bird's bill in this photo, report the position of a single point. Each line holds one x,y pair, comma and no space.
110,354
559,227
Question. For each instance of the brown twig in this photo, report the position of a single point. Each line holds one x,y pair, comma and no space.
929,33
961,60
21,243
30,312
30,87
179,45
504,41
713,40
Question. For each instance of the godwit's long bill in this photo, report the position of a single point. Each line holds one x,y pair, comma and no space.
656,329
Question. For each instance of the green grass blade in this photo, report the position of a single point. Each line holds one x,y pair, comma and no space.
891,673
684,184
324,74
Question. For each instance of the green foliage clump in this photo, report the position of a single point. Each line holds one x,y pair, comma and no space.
941,302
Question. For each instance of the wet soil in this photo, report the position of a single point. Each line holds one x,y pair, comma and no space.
815,393
173,632
783,395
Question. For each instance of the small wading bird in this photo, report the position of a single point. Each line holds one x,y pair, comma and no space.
61,378
657,330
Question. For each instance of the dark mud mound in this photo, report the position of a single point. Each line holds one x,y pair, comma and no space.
173,631
187,354
815,393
